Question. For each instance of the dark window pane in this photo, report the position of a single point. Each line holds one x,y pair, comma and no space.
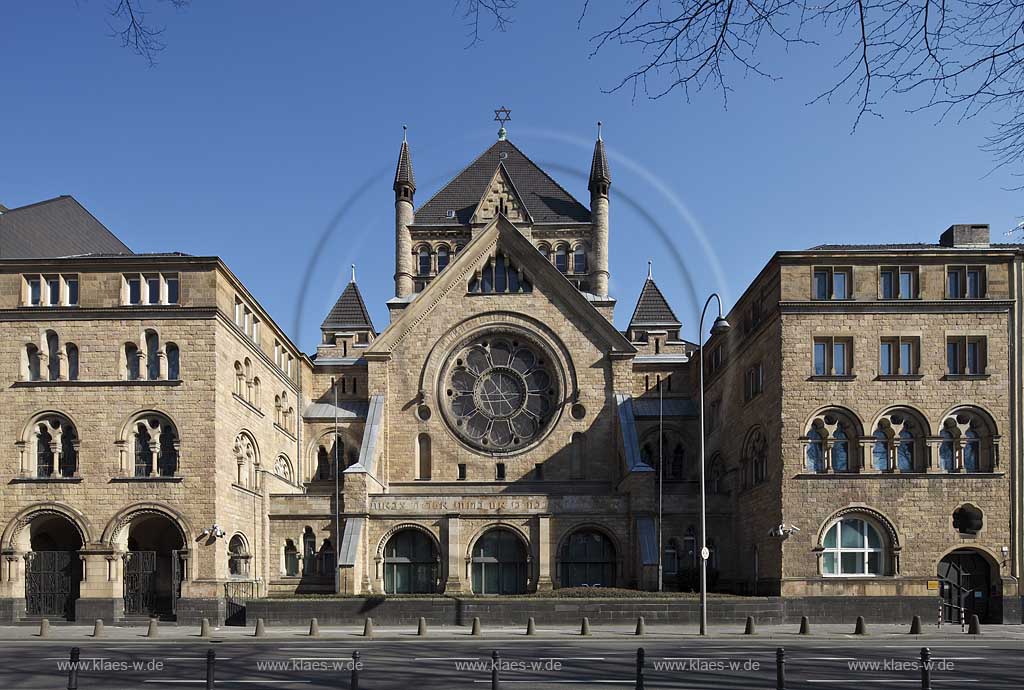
134,291
72,284
172,290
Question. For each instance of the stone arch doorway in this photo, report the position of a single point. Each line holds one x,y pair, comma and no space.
53,567
969,585
153,566
499,563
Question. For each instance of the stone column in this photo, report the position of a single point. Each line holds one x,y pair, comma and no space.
101,593
544,583
12,585
454,584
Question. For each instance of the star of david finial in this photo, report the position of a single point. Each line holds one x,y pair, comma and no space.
502,115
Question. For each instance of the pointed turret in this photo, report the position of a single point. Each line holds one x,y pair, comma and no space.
405,188
600,181
652,315
348,324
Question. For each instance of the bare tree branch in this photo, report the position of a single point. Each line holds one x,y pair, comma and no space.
499,10
132,29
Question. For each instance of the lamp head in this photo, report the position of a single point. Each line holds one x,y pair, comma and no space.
720,326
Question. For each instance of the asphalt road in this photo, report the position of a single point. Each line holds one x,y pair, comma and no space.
537,664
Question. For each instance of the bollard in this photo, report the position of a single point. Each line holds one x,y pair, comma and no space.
861,627
495,664
44,627
211,663
261,628
926,669
640,668
368,628
73,669
531,626
585,627
780,669
750,628
476,627
204,628
314,627
975,626
805,625
915,625
97,628
421,629
354,678
154,630
641,627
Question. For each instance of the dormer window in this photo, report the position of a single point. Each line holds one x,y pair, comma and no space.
450,213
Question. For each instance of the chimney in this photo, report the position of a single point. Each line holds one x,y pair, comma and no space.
965,236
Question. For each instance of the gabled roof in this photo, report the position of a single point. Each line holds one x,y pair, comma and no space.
543,275
349,312
544,198
652,309
56,227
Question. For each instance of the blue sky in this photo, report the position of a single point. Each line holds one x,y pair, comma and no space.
262,123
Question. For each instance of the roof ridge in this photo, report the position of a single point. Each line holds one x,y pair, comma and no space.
545,173
455,177
45,201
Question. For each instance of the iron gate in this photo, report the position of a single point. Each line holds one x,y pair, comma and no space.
139,582
236,595
51,583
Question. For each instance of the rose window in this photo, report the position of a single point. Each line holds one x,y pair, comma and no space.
499,392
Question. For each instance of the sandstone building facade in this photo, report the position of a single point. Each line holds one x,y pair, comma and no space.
165,446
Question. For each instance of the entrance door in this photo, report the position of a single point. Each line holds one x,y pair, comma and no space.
966,585
52,583
140,583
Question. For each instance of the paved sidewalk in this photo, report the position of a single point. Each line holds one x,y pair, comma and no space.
733,633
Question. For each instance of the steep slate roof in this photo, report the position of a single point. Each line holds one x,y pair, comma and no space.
403,171
54,228
545,199
599,170
652,308
349,312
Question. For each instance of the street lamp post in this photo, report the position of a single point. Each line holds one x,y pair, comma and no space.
720,326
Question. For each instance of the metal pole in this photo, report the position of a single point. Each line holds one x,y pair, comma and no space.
495,662
337,496
640,668
73,669
211,660
780,669
661,490
926,669
354,682
703,502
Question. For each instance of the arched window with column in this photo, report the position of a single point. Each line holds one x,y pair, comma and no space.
899,444
55,443
499,563
423,261
443,257
970,441
832,442
238,557
71,353
156,445
410,563
308,552
173,362
291,559
32,363
579,259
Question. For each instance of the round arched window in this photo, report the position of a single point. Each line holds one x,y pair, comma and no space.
852,547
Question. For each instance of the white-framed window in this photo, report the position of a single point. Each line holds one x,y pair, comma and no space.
852,547
150,289
50,290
